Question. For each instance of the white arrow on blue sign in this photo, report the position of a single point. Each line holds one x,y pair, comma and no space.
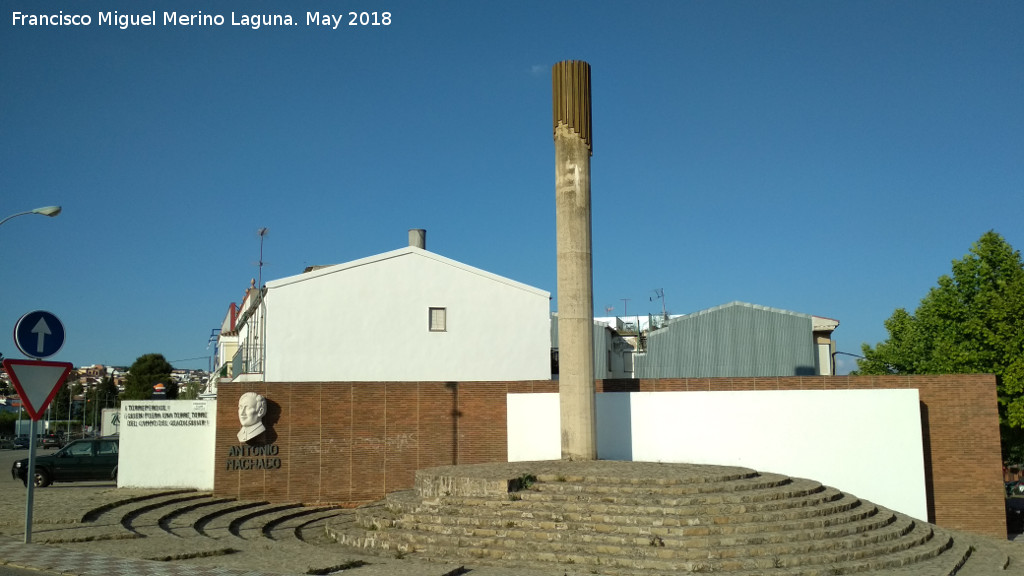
39,334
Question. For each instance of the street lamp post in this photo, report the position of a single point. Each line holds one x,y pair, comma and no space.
30,473
50,211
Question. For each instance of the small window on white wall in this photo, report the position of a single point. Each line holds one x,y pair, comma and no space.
438,320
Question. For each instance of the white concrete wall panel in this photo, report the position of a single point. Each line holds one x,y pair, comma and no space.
167,444
370,323
865,442
825,359
534,427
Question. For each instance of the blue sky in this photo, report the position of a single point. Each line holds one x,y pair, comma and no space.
830,158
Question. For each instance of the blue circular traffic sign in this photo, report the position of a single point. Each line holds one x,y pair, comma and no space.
39,334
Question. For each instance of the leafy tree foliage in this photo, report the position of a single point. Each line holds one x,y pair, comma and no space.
191,390
7,420
972,322
148,369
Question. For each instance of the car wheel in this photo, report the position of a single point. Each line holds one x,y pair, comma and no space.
42,479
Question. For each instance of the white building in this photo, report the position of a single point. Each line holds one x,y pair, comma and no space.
404,315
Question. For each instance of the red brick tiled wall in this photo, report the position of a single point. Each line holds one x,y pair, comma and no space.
349,442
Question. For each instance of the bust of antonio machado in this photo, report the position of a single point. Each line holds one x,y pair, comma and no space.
251,409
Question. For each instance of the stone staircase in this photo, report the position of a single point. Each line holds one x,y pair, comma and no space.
523,519
644,518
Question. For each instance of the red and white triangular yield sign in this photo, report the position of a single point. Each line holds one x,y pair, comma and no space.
37,382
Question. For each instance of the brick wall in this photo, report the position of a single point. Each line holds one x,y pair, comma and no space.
350,442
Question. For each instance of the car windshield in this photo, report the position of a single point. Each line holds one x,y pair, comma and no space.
78,449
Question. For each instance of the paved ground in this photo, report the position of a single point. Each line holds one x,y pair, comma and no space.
63,544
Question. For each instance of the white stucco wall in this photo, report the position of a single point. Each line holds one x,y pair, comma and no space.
534,427
825,359
167,444
865,442
368,321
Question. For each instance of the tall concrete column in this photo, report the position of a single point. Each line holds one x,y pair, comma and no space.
571,88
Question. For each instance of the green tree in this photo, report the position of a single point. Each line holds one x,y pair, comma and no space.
191,390
972,322
148,369
7,420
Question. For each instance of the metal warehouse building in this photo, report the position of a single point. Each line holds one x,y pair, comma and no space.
738,340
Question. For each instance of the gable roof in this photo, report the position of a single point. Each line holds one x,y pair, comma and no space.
408,251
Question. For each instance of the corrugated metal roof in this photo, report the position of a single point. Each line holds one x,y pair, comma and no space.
741,304
735,339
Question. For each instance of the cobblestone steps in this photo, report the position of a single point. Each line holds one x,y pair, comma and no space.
801,493
728,520
635,531
198,516
618,487
299,524
696,520
810,531
178,517
243,523
114,520
653,552
192,520
197,530
144,518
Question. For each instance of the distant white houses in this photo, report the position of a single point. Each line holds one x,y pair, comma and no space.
404,315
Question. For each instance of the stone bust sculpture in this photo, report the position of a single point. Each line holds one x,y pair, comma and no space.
251,409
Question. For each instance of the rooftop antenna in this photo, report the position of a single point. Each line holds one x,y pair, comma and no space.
609,309
659,293
625,306
262,233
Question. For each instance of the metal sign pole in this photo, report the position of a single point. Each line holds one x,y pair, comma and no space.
38,334
30,480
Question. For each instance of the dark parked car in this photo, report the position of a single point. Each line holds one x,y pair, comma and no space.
88,459
51,441
21,443
1015,515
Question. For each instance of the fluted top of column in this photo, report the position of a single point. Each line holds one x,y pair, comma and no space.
570,86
